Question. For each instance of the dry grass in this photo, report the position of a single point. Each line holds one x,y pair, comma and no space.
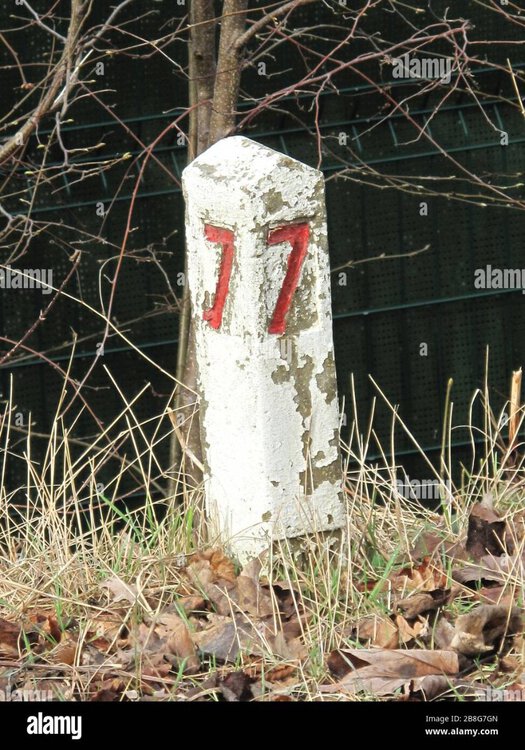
63,536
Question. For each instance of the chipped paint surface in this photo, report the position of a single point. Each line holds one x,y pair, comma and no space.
269,411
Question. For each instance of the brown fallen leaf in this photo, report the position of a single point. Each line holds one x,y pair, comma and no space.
280,673
174,632
64,652
120,590
440,686
426,544
427,576
423,601
377,631
211,566
485,628
491,569
250,596
382,671
486,530
236,687
224,640
443,634
409,631
290,649
109,691
191,604
47,626
10,635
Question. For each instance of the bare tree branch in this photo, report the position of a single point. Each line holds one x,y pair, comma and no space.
19,139
261,23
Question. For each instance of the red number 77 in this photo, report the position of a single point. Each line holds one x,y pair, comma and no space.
296,234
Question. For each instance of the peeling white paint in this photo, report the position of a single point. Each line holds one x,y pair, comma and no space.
266,409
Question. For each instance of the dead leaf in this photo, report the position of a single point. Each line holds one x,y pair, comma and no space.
486,530
173,630
65,652
235,687
191,604
423,601
212,565
426,545
443,634
120,590
424,577
227,638
289,649
408,632
439,686
280,672
383,671
251,597
485,628
10,635
378,631
491,569
47,626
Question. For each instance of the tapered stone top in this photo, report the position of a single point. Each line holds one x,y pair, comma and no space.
254,179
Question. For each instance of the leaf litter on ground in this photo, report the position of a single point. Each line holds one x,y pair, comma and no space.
433,616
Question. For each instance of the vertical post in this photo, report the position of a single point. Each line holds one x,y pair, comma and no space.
260,291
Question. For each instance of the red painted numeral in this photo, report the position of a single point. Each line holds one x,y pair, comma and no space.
297,235
225,238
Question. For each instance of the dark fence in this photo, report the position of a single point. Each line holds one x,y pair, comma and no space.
410,322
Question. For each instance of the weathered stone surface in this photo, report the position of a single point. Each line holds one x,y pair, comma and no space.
260,290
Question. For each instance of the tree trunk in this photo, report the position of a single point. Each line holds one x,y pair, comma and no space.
229,64
214,92
201,65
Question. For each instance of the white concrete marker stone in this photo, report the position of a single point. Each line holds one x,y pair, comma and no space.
260,292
